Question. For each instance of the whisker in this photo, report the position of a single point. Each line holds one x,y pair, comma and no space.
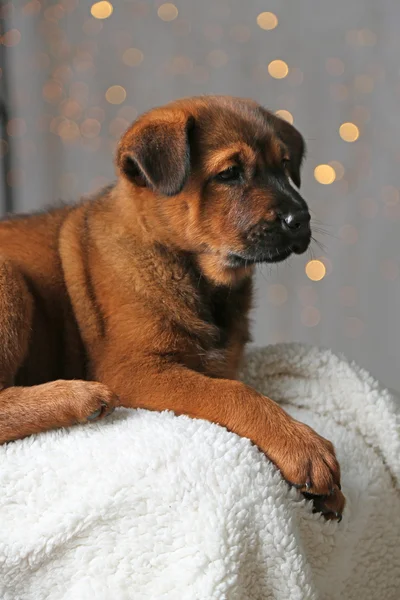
310,253
260,270
320,245
324,232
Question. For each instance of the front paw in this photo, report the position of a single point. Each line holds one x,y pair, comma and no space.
308,462
91,401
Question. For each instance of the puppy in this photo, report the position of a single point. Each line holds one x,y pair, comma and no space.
140,296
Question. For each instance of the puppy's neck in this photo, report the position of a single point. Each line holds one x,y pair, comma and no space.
213,268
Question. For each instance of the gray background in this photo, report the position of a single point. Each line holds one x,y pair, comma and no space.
62,61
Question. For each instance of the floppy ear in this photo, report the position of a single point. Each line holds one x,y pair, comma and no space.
294,143
155,152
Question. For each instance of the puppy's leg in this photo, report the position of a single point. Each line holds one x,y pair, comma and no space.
304,458
27,410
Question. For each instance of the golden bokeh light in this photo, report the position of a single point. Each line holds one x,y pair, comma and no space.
278,69
217,58
116,94
54,13
167,12
69,5
334,66
315,270
180,65
361,37
55,123
390,195
15,177
11,38
364,84
62,74
353,327
68,130
338,168
132,57
367,37
267,21
310,316
32,8
325,174
52,91
285,115
90,128
71,109
83,62
101,10
16,127
95,112
338,91
349,132
277,294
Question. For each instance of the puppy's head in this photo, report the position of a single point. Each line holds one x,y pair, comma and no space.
220,175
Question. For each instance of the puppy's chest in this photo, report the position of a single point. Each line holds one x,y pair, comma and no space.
225,317
228,313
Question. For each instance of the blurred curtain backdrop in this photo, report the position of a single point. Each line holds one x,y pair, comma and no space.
79,72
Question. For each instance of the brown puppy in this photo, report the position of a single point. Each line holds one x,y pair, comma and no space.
140,296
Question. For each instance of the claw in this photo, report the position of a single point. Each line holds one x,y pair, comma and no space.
95,415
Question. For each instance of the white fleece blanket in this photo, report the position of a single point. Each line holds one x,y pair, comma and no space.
153,506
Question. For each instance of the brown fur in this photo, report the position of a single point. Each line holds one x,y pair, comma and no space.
136,289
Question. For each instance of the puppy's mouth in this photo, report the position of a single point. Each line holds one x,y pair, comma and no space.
252,256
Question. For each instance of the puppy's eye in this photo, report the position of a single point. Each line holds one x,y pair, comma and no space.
230,175
285,163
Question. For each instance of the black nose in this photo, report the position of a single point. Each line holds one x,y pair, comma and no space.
296,222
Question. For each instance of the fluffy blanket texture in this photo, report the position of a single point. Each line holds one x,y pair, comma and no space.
153,506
